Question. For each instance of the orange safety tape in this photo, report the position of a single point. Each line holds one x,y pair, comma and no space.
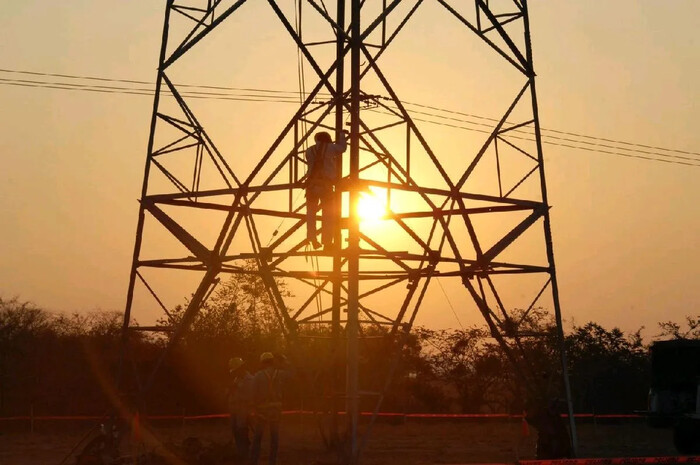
203,417
461,415
54,417
307,412
615,461
668,460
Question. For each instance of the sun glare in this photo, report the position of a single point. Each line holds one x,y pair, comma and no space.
371,207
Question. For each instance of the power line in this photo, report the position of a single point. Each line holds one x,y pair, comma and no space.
639,154
143,91
588,149
558,131
629,149
454,312
292,93
642,155
565,139
130,81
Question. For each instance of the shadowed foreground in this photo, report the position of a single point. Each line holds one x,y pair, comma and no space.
410,443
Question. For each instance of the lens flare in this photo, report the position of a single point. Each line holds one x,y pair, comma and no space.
371,207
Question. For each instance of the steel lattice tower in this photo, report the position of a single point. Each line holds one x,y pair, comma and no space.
430,234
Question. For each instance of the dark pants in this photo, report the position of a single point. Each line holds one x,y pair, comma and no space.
262,423
323,197
239,426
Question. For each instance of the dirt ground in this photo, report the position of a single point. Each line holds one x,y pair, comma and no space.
411,443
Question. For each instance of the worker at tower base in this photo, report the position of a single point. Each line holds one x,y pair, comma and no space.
322,176
239,393
268,387
553,440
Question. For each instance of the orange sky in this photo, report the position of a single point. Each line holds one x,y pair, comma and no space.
625,230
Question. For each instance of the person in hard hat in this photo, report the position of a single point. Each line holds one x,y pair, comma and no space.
268,384
240,403
322,175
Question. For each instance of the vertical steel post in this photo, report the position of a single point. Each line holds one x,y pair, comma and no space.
144,188
548,232
352,327
337,235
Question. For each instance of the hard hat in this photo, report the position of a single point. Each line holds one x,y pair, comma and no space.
266,356
235,363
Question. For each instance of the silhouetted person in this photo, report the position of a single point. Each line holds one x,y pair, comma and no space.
268,385
553,441
322,159
240,404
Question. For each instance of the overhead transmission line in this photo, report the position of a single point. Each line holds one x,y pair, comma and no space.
435,115
566,142
588,140
250,97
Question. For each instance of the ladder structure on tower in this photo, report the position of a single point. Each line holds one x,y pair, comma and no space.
444,220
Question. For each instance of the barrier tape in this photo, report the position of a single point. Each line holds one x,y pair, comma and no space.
605,461
53,417
615,461
307,412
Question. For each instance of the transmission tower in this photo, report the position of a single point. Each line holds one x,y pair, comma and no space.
375,276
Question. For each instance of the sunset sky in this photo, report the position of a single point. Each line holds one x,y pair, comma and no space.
625,229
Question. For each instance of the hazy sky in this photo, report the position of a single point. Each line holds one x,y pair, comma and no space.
625,230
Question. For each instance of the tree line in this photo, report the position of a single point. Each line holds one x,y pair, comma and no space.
66,364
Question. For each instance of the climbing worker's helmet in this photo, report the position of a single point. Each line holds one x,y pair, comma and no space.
234,363
266,357
323,137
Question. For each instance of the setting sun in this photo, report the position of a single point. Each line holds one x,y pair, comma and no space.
371,207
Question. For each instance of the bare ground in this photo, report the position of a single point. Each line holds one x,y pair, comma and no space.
410,443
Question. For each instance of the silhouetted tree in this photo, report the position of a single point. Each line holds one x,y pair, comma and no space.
466,365
65,363
56,363
690,329
237,320
21,324
609,370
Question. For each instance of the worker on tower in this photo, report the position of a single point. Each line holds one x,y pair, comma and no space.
322,159
239,393
268,385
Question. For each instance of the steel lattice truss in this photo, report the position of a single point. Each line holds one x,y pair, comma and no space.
431,229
